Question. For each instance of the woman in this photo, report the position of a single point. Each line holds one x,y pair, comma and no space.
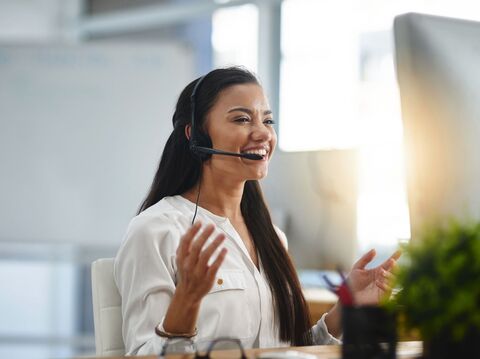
228,274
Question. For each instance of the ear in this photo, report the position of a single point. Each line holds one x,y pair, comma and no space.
188,130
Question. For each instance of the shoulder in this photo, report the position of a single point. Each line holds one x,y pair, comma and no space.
158,226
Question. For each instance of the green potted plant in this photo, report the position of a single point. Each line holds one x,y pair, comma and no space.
440,290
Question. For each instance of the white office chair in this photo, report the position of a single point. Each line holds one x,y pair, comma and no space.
107,310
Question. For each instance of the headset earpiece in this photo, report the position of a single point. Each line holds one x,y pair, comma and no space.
197,137
203,140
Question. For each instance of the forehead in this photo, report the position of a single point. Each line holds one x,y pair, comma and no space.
245,95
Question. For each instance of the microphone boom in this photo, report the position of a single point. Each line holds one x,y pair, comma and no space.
212,151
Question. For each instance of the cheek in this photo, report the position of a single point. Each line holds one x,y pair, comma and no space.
229,139
274,141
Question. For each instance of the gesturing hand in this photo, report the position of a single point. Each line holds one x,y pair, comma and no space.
196,275
371,285
368,286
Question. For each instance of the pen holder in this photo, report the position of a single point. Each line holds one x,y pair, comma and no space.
369,332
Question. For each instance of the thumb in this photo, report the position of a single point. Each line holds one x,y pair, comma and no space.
365,259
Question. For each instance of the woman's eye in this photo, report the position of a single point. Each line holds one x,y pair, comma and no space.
269,121
242,119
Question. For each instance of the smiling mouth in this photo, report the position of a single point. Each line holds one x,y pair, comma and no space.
261,152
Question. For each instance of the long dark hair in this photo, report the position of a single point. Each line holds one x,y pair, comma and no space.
179,170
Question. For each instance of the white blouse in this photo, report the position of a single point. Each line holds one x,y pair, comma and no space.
239,304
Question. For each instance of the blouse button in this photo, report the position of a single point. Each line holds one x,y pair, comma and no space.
219,281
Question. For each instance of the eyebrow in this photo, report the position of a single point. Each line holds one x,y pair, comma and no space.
247,110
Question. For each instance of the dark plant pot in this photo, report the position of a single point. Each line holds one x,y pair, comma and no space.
369,332
443,347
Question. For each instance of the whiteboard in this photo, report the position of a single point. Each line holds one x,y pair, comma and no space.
81,133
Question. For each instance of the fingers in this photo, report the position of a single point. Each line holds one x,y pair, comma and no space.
365,259
196,276
213,269
207,253
197,246
391,261
201,240
387,275
397,254
383,286
186,240
385,280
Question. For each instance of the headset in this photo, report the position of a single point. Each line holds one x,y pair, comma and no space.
201,144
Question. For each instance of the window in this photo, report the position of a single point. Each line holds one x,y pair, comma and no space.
338,90
235,36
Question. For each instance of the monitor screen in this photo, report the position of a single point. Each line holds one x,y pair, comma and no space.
438,69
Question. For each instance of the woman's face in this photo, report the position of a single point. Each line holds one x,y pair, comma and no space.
241,121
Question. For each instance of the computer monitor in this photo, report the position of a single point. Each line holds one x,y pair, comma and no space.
438,69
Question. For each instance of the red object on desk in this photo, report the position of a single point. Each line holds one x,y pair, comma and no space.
342,291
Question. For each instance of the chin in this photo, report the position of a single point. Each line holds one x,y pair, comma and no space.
259,175
255,172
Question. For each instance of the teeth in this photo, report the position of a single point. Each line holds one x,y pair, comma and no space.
262,152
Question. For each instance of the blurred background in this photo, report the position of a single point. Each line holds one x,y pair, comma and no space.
87,91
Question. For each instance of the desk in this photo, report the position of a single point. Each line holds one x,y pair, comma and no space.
405,350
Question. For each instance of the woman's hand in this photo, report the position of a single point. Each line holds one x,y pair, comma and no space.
196,275
369,286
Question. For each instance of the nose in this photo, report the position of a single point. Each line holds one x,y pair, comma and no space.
261,132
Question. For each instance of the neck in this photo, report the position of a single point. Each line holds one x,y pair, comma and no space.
220,195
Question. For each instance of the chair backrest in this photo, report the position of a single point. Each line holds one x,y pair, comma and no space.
107,310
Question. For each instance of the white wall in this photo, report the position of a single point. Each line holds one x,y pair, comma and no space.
82,132
82,129
38,20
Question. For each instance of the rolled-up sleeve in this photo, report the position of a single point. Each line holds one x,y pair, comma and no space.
321,336
144,272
